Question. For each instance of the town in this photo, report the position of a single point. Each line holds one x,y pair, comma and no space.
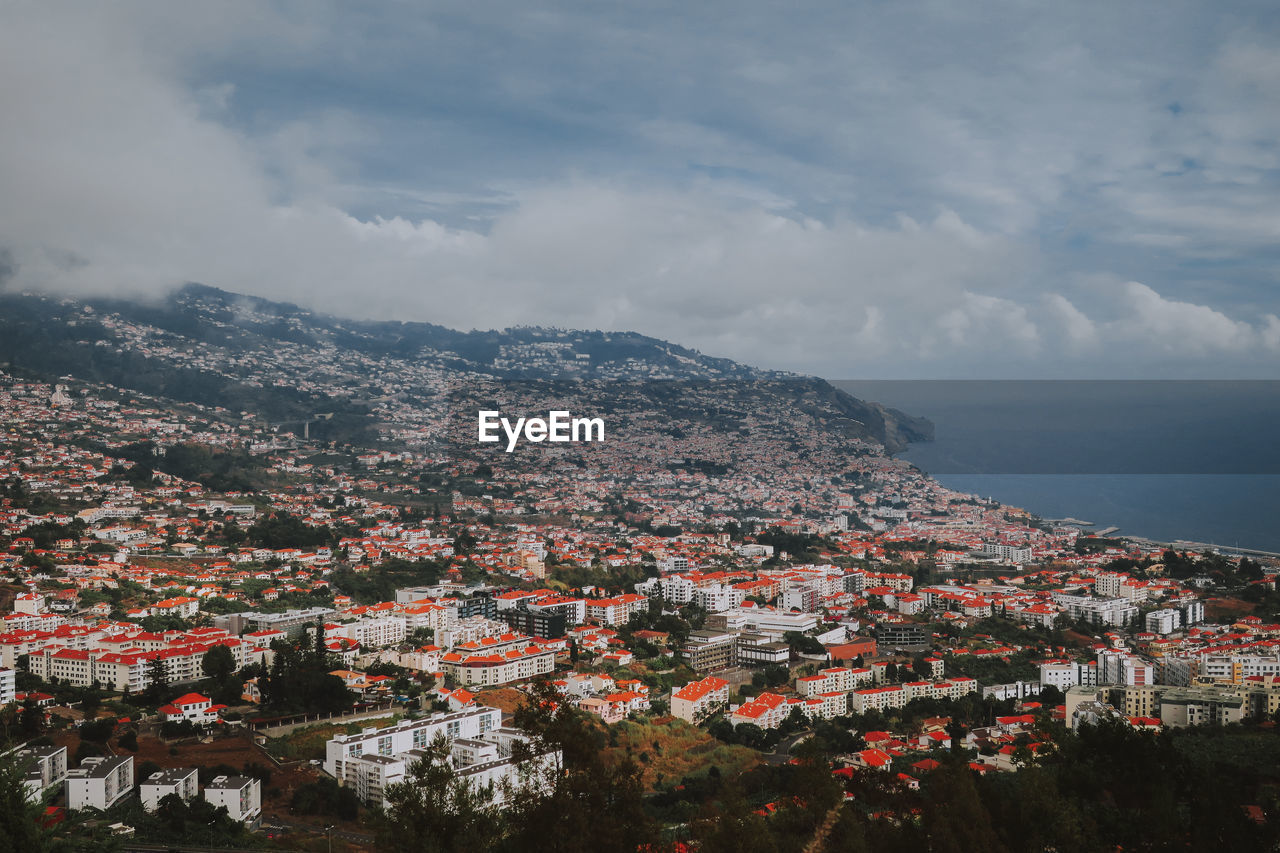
221,631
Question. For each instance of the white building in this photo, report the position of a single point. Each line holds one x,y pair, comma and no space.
241,795
1193,612
1064,674
408,735
1007,553
8,686
1234,668
179,781
194,707
502,666
616,610
673,564
767,621
1117,612
833,680
674,589
1119,667
100,782
717,598
480,753
375,633
1164,621
479,761
45,769
31,603
698,699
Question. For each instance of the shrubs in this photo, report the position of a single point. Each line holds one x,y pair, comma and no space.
178,729
324,796
98,730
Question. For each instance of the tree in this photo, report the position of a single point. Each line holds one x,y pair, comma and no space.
298,681
325,797
31,720
803,643
218,662
321,651
19,827
436,811
586,803
97,731
157,679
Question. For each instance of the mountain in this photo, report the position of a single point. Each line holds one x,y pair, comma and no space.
284,363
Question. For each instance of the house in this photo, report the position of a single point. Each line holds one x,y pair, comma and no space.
180,781
457,699
607,710
100,782
240,794
875,759
194,707
183,606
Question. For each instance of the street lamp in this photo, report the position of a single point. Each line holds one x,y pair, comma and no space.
328,834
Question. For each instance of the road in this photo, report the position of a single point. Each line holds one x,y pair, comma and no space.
781,753
276,824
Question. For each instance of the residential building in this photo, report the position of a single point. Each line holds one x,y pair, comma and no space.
194,707
489,669
45,769
902,637
179,781
699,699
710,651
408,735
1164,621
100,782
767,711
242,796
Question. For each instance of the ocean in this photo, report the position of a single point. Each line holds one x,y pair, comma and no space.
1194,461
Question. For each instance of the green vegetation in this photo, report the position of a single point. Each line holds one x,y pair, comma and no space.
282,530
371,586
307,743
325,797
673,750
299,680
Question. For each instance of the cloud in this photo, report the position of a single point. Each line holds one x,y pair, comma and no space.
1181,326
1080,333
863,192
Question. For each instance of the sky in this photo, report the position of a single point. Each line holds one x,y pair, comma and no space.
852,189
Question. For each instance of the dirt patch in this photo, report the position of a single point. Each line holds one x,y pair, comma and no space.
1226,609
506,699
1079,639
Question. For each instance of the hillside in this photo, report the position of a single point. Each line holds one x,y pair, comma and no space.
287,364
